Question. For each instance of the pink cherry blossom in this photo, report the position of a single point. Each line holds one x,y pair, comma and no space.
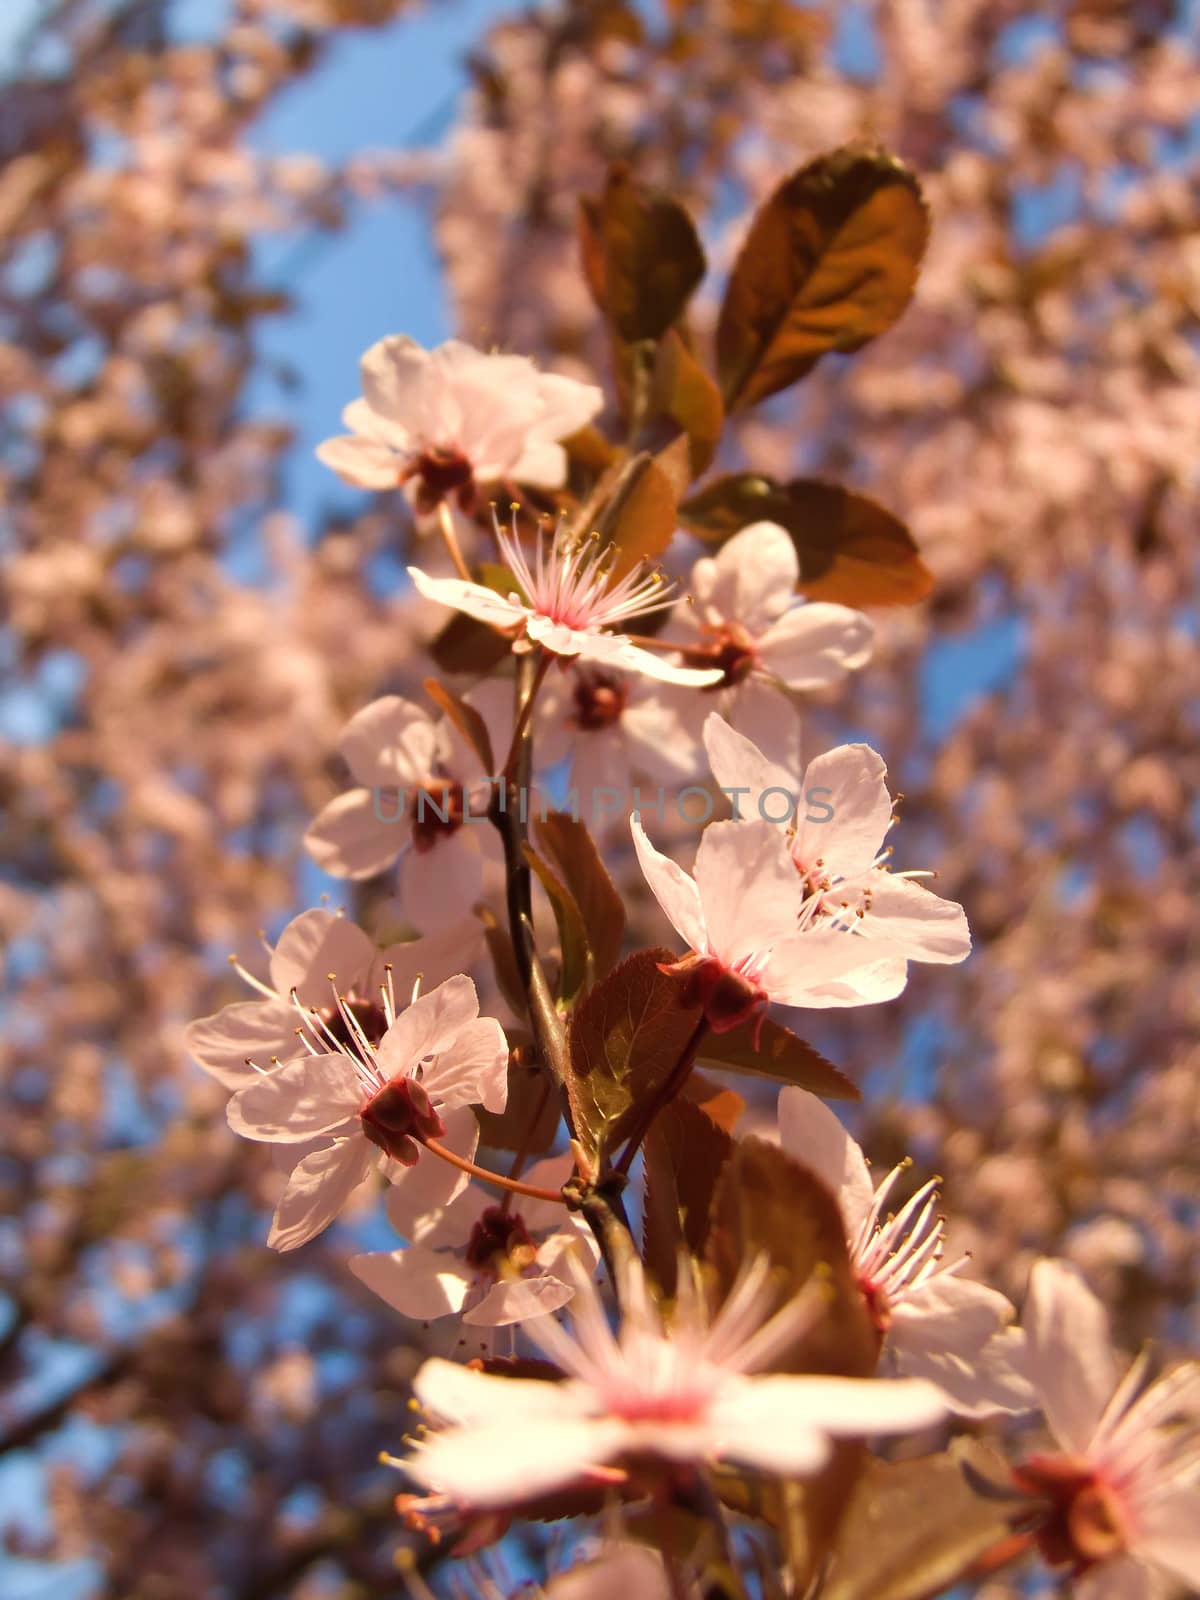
566,601
421,795
934,1324
442,422
680,1393
354,1098
748,620
1125,1489
318,955
738,916
836,816
493,1263
616,728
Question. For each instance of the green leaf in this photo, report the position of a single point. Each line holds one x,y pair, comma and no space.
830,261
914,1528
641,256
565,841
466,719
626,1036
780,1055
685,1153
851,549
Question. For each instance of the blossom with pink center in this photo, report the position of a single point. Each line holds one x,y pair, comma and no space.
441,422
495,1262
352,1102
1124,1488
319,955
748,620
681,1394
566,600
835,818
421,795
933,1323
738,916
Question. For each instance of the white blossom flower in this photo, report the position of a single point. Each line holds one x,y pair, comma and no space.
680,1394
615,728
932,1323
495,1262
421,795
566,600
354,1099
738,916
441,422
1125,1489
835,817
747,619
618,1571
318,949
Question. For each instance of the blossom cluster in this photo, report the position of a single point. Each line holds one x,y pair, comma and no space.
365,1064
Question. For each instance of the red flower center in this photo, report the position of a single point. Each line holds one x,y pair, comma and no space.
728,648
438,811
497,1237
441,474
370,1016
599,701
1084,1524
399,1117
727,997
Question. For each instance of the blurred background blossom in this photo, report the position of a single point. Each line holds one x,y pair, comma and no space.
209,209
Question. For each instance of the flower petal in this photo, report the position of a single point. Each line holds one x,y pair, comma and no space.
317,1190
750,581
739,765
847,811
313,945
419,1192
396,383
297,1101
363,463
429,1025
389,743
483,604
749,889
439,885
517,1300
921,923
816,644
1169,1533
358,834
1070,1357
811,1134
473,1070
416,1282
504,1463
675,892
259,1029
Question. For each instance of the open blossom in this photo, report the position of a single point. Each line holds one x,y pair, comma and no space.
567,600
835,818
681,1393
933,1323
746,619
615,727
738,916
352,1101
495,1262
441,422
318,956
421,795
1124,1486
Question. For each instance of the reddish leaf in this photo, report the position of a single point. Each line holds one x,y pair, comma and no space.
626,1036
465,718
721,1105
780,1055
641,256
685,1155
566,842
685,396
640,518
851,549
830,261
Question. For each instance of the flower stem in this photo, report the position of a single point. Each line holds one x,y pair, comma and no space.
512,1185
446,523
